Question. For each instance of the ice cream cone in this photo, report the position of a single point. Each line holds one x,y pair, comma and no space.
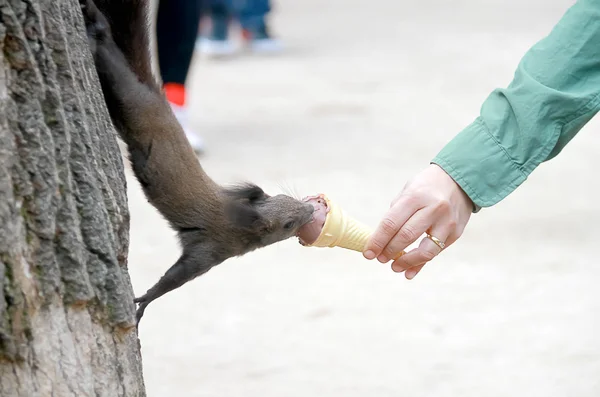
341,230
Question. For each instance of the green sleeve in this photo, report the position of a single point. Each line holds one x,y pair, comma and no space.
554,93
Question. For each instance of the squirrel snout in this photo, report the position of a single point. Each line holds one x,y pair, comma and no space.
308,212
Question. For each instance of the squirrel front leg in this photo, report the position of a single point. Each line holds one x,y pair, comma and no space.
190,265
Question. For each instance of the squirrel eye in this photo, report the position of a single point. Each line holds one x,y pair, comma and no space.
289,225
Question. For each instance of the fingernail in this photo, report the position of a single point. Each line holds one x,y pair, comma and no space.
410,274
397,269
369,255
382,258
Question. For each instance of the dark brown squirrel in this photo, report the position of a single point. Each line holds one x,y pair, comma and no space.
213,223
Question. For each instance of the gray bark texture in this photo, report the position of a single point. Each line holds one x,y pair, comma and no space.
67,321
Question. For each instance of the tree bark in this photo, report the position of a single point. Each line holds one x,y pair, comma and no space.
67,325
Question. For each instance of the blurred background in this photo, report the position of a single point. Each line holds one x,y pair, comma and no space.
352,98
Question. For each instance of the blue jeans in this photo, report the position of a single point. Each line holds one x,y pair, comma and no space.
252,17
176,30
251,14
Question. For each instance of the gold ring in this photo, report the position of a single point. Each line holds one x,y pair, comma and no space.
437,241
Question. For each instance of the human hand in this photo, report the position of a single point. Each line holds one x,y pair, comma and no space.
430,203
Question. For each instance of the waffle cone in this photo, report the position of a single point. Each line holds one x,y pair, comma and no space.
341,230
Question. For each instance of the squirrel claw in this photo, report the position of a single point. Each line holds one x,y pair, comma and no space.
143,303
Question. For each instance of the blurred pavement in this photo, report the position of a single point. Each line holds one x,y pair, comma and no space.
364,97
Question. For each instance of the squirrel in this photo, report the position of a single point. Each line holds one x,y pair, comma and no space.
213,222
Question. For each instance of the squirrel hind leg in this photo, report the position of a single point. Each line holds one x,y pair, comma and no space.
96,24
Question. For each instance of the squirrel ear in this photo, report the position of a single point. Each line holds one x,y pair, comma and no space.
246,192
241,210
245,216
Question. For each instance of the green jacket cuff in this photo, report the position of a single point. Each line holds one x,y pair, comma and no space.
480,166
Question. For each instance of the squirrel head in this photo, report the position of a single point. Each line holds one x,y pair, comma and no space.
269,219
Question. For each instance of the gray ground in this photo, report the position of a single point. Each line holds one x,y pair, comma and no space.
371,90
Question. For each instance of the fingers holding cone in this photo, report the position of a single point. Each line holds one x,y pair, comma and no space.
338,228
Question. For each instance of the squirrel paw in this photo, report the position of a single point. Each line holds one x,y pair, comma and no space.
143,301
96,25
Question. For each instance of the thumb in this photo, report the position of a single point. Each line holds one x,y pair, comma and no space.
391,223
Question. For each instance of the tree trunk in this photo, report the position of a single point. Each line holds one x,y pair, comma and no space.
67,325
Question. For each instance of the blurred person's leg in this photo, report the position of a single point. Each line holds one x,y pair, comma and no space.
177,24
253,14
217,43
